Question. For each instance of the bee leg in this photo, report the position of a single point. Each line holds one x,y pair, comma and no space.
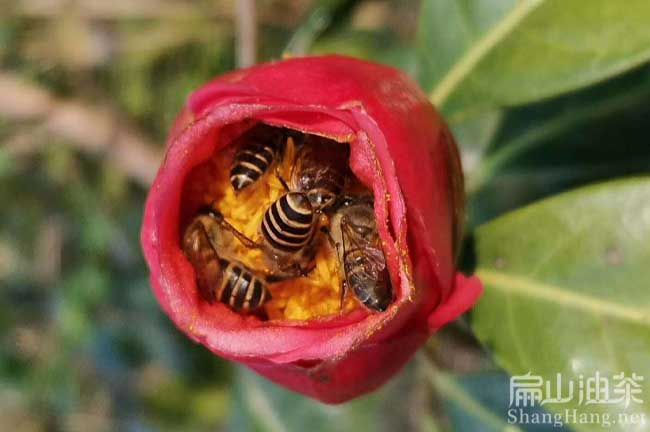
294,271
281,179
325,230
336,245
344,289
298,271
304,272
250,244
218,217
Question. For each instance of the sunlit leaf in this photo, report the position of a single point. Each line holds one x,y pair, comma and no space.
566,288
478,54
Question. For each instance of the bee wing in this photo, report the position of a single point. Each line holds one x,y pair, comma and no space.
366,273
372,252
291,154
376,256
204,258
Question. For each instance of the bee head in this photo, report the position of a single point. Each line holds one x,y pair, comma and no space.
320,199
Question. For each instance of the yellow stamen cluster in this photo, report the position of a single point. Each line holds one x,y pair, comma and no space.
301,298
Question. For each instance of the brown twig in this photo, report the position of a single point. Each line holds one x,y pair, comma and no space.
246,28
48,251
91,128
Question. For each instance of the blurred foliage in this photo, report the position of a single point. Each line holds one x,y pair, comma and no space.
542,96
403,404
492,53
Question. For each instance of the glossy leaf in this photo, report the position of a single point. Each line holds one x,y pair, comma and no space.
478,54
566,289
598,133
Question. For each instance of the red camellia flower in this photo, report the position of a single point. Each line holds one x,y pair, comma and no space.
400,149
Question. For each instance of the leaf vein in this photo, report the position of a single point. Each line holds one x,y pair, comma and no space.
525,287
472,57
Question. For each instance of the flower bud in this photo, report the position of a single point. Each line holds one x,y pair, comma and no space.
400,150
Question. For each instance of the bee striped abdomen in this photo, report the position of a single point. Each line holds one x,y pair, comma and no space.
252,161
288,222
241,289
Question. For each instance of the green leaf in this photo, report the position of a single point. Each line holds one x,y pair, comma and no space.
320,19
566,288
478,54
474,136
260,405
598,133
379,46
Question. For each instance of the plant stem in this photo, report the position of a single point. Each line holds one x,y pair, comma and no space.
246,33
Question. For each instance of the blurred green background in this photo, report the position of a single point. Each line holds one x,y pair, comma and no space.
88,89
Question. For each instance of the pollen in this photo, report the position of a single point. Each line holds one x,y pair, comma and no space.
301,298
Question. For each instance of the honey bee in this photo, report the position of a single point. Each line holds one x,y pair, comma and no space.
358,246
242,289
204,258
259,148
288,223
319,171
286,234
288,228
219,278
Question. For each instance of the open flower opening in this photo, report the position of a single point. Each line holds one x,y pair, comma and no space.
241,183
